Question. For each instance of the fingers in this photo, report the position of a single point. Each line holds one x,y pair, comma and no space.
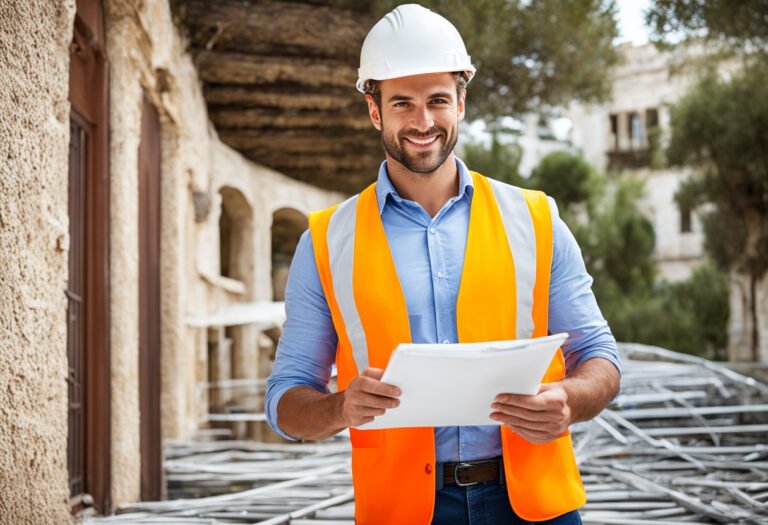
361,407
366,397
534,436
549,398
368,381
539,418
523,414
554,426
366,400
374,373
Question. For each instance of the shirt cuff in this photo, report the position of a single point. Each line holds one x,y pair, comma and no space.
610,356
271,412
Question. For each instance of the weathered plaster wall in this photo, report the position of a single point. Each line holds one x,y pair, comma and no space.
146,54
34,137
265,192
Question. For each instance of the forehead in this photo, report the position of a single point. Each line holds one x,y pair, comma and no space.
419,85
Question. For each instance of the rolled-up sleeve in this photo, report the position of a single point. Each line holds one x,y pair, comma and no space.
307,347
572,305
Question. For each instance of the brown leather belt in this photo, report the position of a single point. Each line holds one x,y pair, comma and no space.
468,473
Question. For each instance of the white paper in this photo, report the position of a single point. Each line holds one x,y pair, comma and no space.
454,385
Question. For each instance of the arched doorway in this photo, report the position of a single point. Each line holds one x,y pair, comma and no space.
287,226
236,238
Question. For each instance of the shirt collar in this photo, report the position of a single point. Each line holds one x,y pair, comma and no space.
384,187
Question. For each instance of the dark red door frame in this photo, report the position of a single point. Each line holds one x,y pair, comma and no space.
89,97
149,304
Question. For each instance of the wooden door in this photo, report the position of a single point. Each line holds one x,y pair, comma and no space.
88,444
149,304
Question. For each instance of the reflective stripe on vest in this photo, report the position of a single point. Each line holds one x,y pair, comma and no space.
341,252
503,294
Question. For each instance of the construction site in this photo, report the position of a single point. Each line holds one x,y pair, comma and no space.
685,442
160,161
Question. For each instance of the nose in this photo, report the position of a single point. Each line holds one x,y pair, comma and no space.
422,119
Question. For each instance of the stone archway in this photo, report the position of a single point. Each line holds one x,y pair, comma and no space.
232,352
236,238
287,226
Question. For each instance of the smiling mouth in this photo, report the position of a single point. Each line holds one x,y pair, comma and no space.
422,142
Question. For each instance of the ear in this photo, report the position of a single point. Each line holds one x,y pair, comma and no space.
373,112
462,107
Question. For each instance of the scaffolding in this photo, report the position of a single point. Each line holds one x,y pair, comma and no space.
686,441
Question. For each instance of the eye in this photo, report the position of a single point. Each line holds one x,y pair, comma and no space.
440,101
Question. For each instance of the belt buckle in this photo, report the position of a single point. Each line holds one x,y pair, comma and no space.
456,475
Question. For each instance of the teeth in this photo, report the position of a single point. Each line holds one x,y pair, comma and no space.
423,141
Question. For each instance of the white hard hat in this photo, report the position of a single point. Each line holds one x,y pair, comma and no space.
412,40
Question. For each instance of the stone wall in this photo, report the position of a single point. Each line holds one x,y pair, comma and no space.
34,136
147,58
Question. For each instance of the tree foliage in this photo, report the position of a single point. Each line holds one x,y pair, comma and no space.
741,24
722,127
529,54
498,160
565,177
619,241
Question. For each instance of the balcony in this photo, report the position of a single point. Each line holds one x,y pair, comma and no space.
629,159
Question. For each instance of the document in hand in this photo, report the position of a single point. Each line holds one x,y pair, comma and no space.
454,385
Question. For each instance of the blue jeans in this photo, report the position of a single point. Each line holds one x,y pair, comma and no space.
484,504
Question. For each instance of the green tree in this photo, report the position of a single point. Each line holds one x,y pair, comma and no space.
618,242
740,25
722,128
565,177
703,299
528,54
499,160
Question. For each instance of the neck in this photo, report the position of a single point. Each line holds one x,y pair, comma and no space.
430,190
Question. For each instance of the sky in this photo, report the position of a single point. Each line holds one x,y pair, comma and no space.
632,21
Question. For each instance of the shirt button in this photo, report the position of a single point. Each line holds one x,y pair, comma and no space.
428,468
445,342
432,231
440,275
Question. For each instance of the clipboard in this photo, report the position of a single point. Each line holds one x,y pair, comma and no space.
455,384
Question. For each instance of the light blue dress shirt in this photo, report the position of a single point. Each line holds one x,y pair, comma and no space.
429,256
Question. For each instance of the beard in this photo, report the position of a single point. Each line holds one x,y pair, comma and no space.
424,161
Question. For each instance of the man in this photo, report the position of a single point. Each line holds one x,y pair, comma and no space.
433,253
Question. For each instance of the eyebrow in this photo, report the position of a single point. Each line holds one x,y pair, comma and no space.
400,98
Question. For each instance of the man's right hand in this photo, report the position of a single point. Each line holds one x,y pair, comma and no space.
367,397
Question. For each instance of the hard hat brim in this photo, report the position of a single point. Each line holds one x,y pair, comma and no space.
413,72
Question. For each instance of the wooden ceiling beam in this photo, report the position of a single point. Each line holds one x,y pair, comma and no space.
282,98
271,27
320,161
239,118
327,147
300,138
257,70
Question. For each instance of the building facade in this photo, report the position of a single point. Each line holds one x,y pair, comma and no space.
130,236
628,134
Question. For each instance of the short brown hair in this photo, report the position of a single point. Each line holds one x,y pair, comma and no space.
373,87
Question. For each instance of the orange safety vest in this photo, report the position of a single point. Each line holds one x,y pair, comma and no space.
504,294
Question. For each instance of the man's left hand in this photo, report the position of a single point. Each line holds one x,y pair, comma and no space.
539,418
